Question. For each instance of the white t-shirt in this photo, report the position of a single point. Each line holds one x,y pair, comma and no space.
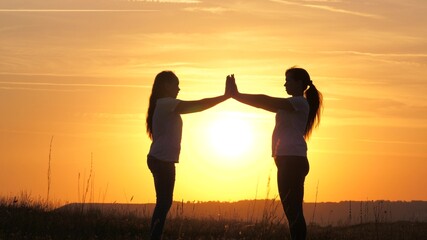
167,131
288,134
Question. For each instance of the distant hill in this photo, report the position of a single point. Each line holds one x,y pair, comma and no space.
325,213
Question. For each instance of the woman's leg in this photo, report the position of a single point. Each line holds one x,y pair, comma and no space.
164,182
291,172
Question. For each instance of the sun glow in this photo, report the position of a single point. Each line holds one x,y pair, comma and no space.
231,136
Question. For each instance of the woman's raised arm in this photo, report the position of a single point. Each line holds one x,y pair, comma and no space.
203,104
265,102
199,105
262,101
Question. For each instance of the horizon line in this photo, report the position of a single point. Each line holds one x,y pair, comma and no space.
248,200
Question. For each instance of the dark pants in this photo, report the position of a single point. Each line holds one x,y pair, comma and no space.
291,172
164,182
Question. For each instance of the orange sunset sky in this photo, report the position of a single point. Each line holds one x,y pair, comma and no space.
82,70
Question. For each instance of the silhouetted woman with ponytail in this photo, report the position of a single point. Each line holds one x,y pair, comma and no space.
164,127
296,117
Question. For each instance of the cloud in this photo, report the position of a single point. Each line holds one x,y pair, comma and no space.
414,59
370,54
50,84
323,1
57,83
38,89
89,5
168,1
214,10
131,117
78,10
328,8
391,142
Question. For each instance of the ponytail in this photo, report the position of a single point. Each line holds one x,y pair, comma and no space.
315,101
313,96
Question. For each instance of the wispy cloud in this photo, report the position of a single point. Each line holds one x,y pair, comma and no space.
7,88
176,1
372,140
50,84
328,8
88,5
391,142
214,10
392,58
323,1
78,10
130,117
416,55
166,1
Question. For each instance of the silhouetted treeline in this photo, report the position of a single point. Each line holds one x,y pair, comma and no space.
324,214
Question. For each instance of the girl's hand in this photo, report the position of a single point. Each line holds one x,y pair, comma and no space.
231,87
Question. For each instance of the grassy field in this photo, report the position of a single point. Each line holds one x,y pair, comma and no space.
32,220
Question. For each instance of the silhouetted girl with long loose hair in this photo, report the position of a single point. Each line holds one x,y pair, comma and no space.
296,117
158,91
164,127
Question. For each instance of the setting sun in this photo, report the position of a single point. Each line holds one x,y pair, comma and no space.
230,136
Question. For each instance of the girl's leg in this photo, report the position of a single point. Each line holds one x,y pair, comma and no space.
164,181
291,172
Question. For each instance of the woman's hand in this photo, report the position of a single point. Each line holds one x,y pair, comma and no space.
231,87
227,91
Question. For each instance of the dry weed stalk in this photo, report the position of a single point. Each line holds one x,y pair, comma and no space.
49,180
315,204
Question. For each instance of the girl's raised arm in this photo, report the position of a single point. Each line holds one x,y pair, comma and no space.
203,104
262,101
265,102
199,105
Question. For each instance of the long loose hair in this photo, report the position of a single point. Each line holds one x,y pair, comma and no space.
313,96
158,91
